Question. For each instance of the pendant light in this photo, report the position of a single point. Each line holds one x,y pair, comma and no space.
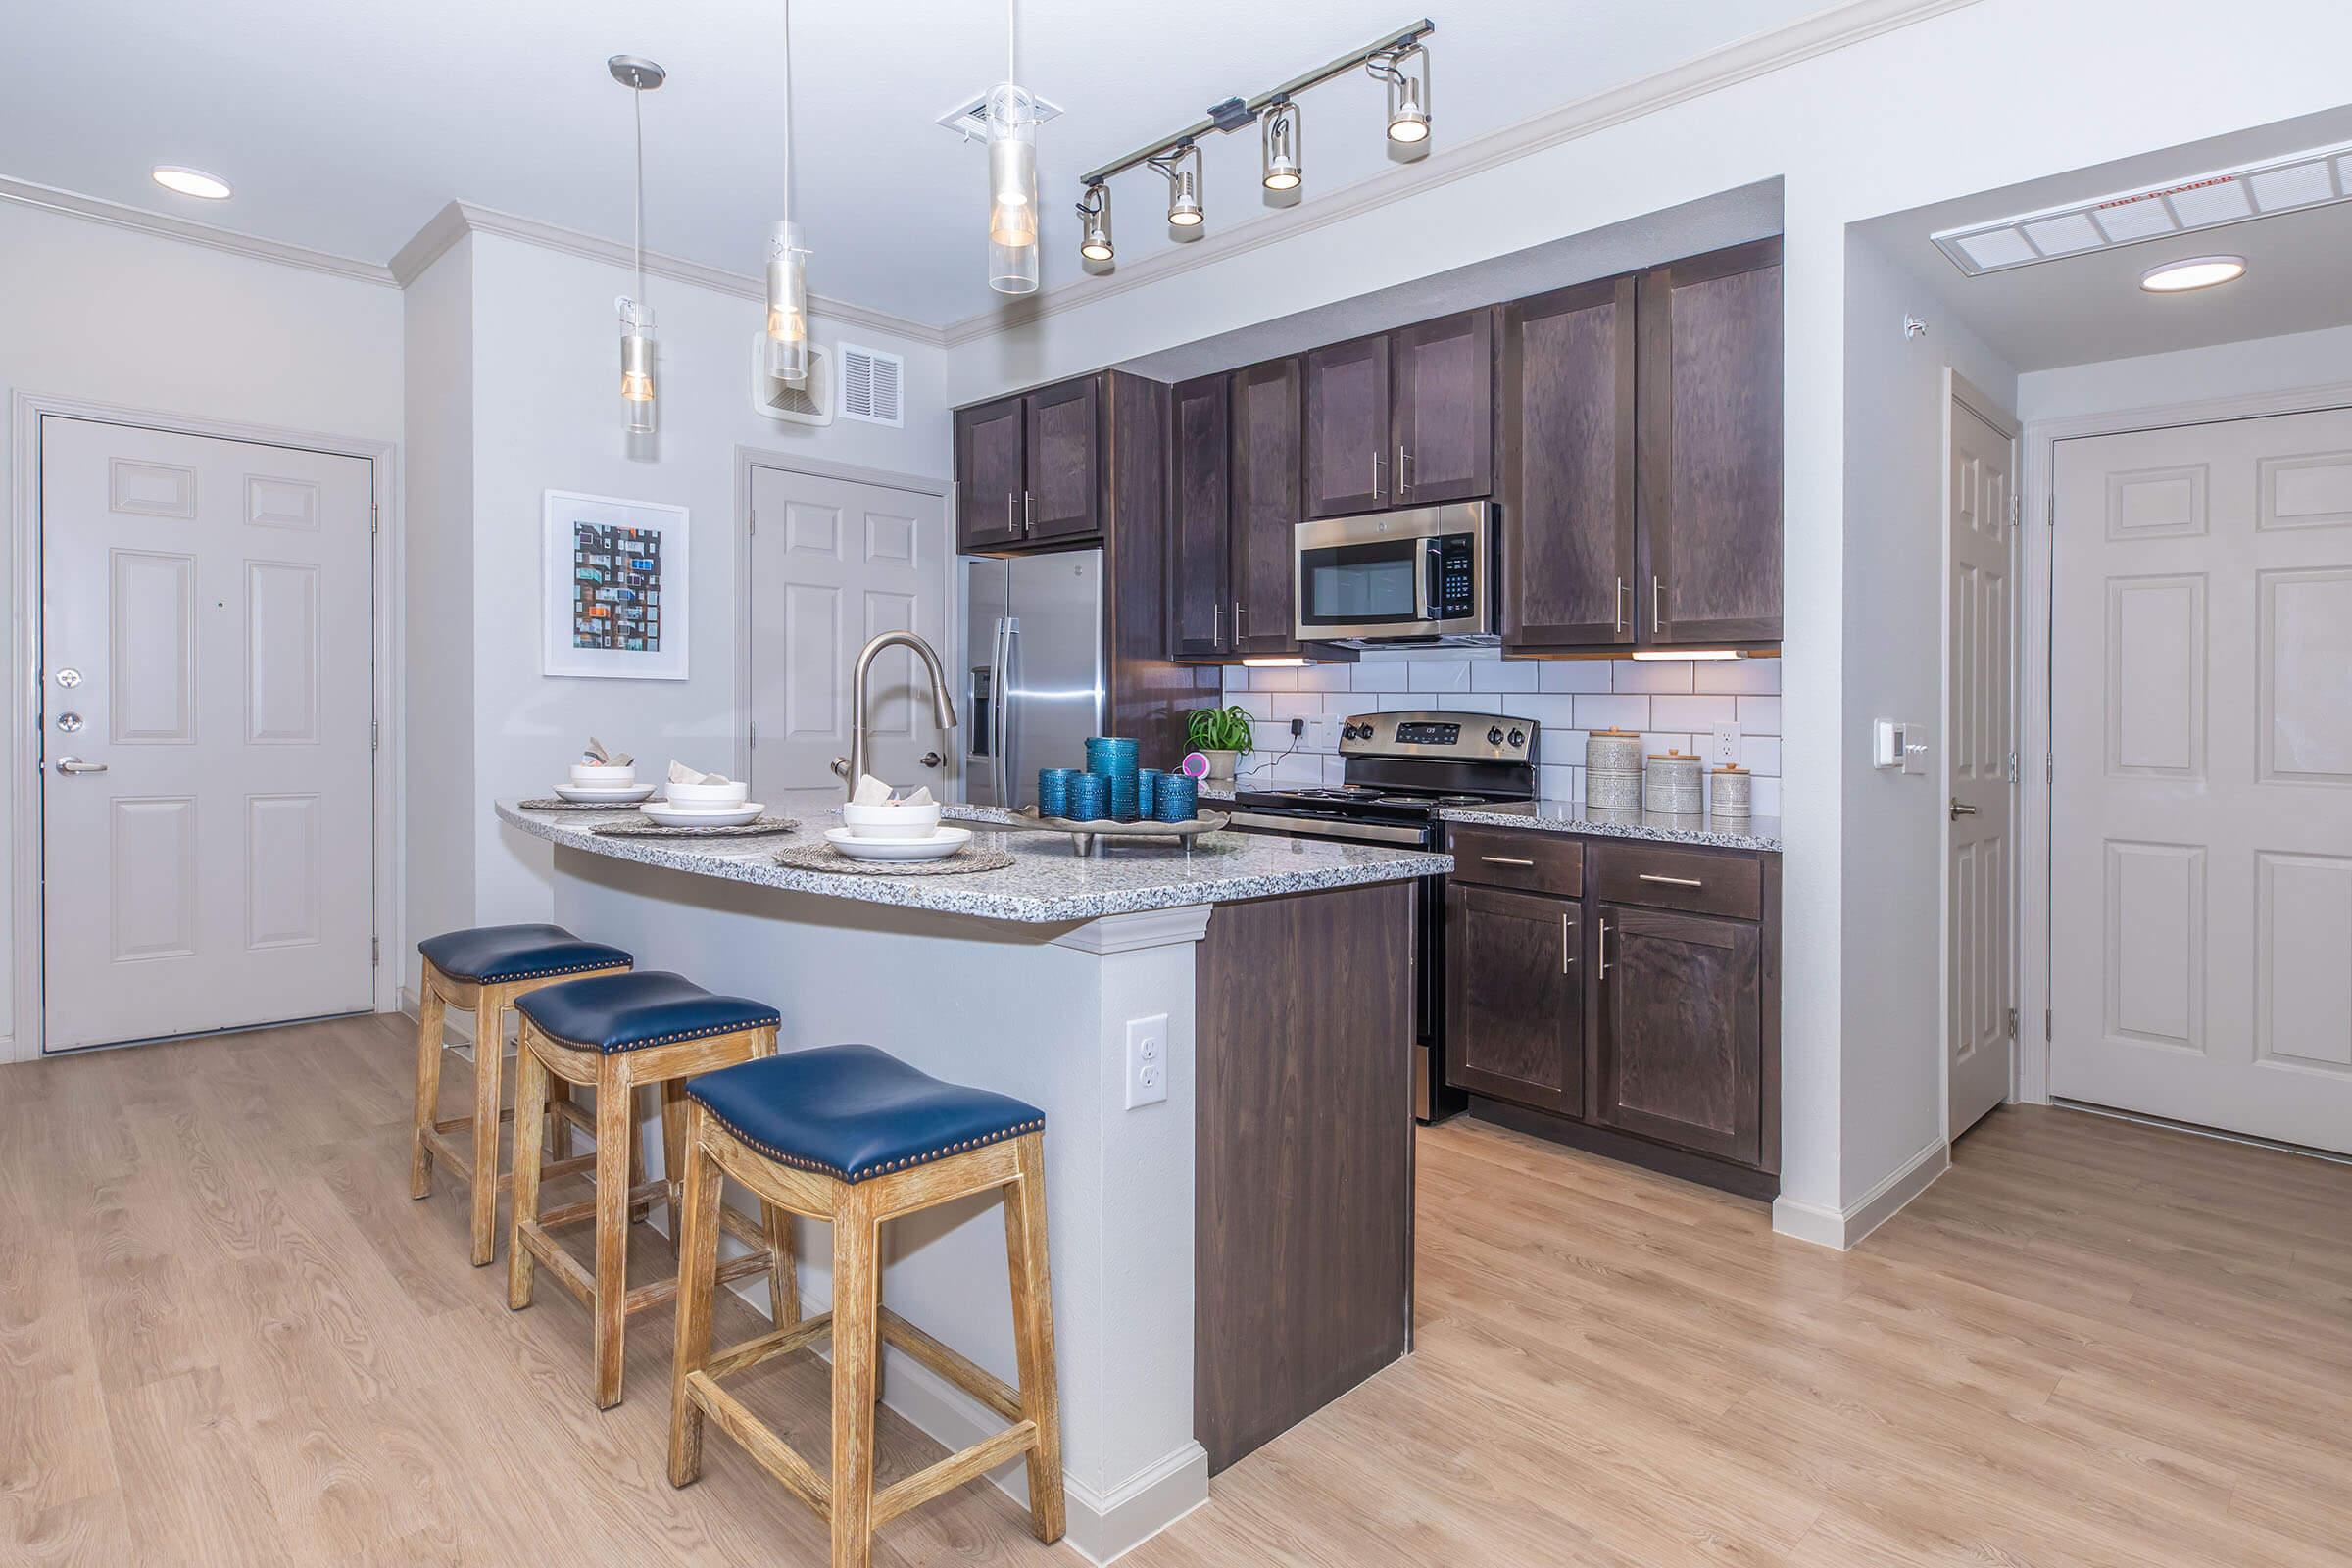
1011,174
787,260
1282,122
1095,244
640,76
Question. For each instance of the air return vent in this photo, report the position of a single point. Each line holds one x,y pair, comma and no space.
872,385
2208,201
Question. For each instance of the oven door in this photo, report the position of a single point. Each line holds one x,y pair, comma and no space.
1415,575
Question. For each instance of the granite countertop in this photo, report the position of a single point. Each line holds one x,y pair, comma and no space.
1050,883
1571,817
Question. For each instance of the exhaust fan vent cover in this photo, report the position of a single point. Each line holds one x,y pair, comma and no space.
806,402
872,385
2209,201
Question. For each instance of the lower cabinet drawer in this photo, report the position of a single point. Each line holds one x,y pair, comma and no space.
1540,863
1726,882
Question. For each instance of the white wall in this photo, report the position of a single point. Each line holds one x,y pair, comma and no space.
546,414
1897,122
2227,370
128,319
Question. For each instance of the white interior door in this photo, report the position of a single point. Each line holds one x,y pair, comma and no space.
206,785
2201,809
1981,959
834,563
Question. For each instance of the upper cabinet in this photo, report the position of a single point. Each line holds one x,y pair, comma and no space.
1199,517
991,474
1266,444
1640,459
1033,469
1403,418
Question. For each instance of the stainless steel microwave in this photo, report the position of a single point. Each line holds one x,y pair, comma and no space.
1421,576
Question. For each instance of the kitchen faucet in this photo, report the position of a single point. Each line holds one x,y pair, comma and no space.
852,768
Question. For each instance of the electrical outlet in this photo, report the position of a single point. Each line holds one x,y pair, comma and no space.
1323,733
1146,1060
1298,728
1726,745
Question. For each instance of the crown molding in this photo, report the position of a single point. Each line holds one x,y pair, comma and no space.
459,219
115,214
1760,54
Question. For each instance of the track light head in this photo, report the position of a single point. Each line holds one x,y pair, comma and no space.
1408,93
1181,168
1282,124
1095,245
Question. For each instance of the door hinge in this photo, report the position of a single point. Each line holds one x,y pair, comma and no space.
374,734
375,517
2013,1023
751,735
2011,767
751,522
2049,769
375,950
2046,1023
2016,508
2049,510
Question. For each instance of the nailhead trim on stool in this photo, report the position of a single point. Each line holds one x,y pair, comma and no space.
823,1169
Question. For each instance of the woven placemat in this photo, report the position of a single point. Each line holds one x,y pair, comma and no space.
763,828
556,803
825,858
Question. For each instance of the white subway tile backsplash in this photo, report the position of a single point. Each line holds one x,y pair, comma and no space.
1344,702
1760,676
1257,704
1761,754
1691,712
1552,712
1557,783
1759,715
1574,676
1600,713
1440,675
1560,747
1504,675
1387,675
1656,743
1296,705
1323,678
1653,675
1273,680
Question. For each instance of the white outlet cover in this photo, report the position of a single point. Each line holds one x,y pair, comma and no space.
1146,1060
1726,745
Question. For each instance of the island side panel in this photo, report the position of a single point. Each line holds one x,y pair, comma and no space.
1303,1253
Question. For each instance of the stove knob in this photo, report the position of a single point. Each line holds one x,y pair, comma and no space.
1518,737
1494,735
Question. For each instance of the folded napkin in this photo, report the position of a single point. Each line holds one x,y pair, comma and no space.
872,791
595,756
680,774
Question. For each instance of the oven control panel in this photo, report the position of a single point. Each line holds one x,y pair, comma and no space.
1439,736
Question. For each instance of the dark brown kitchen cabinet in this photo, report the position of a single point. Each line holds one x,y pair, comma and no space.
1065,460
991,474
1265,448
1710,447
1441,376
1347,450
1514,1002
1567,479
1680,1035
1199,517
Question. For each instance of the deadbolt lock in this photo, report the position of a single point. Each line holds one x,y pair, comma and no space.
69,724
68,679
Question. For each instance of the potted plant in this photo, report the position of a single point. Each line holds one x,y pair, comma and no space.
1220,734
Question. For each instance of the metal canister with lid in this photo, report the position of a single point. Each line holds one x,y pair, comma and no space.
1672,784
1733,793
1613,769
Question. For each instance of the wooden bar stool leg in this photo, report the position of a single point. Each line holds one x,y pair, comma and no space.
616,1166
1033,1336
698,1271
489,1053
857,1294
560,1135
783,1267
430,1022
673,1155
531,1079
640,1210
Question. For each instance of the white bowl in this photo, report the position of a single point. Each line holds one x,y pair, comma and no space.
937,846
669,816
592,775
706,797
892,821
604,794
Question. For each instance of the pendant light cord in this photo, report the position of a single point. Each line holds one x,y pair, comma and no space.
788,111
637,229
1012,37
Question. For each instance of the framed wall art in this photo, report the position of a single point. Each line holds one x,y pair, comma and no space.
615,588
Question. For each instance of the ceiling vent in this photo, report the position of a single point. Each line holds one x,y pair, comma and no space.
2208,201
970,120
872,385
808,401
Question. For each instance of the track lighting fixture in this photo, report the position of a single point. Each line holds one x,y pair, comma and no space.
1396,59
1281,124
787,260
1095,210
640,76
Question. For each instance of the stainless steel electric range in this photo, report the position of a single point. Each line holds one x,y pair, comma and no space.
1400,768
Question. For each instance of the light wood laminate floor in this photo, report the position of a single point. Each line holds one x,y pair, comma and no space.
227,1335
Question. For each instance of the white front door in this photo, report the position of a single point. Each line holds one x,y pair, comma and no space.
833,563
2201,809
207,786
1981,955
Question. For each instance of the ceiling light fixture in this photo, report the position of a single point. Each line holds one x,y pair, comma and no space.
1282,122
1096,246
2196,272
192,182
1396,57
787,260
1011,174
640,76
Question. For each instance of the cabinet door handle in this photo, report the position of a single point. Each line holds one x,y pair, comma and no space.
1604,950
1216,625
1012,513
1617,609
1670,881
1567,942
1404,470
1376,455
1658,605
1504,860
1237,624
1028,511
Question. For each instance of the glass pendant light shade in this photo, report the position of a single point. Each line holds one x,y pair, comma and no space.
1281,124
1095,245
1011,191
1409,98
637,365
786,303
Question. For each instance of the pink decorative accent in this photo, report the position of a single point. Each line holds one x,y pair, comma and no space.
1195,765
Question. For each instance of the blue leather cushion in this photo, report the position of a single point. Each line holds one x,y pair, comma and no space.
853,1111
611,1013
515,952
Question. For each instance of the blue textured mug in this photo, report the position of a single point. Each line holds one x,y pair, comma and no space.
1176,799
1090,797
1054,791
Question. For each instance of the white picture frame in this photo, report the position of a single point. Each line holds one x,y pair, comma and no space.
610,568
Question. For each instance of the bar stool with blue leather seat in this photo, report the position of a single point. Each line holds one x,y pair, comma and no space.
483,970
852,1135
618,1032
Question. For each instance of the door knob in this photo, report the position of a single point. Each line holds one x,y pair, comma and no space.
74,765
931,760
1959,810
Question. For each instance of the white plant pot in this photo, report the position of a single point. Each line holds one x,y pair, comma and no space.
1221,765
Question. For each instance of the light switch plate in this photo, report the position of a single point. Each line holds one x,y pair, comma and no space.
1915,748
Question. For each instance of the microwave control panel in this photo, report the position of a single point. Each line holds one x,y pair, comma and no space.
1453,593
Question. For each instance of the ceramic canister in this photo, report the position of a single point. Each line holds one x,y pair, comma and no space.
1733,791
1671,784
1613,769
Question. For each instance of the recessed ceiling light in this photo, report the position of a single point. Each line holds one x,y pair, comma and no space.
191,182
2198,271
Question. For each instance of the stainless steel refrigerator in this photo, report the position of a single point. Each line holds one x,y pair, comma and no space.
1036,677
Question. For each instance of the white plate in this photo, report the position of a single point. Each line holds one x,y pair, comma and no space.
938,847
667,815
618,795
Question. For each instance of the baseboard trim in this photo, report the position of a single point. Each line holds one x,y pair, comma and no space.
1845,1229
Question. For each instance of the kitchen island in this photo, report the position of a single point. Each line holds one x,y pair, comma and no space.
1225,1260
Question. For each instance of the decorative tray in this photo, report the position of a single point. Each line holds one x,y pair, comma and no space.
1086,835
